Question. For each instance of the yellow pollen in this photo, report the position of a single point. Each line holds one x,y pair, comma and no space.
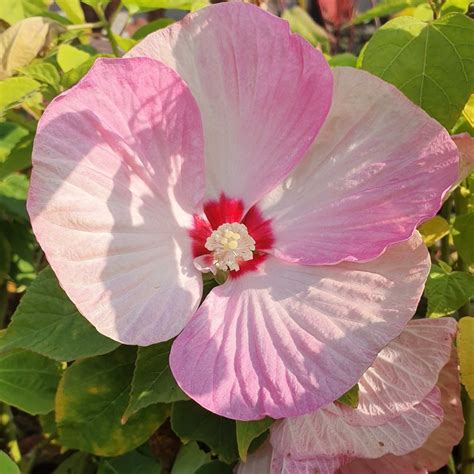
236,236
223,241
233,244
228,234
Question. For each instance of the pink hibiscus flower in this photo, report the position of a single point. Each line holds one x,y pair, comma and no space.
408,419
197,152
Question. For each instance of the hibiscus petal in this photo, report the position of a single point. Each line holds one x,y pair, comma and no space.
262,91
405,371
378,168
326,434
286,339
117,172
435,453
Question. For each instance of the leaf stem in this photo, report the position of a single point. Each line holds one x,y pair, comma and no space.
84,26
108,30
446,213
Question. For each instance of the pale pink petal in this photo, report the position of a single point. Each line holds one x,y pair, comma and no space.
259,462
117,172
287,339
326,434
379,167
405,371
262,91
435,453
465,144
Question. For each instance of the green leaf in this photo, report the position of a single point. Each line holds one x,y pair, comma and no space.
302,23
7,466
214,467
447,291
190,457
152,26
343,59
247,431
14,89
75,75
70,57
351,397
386,8
19,157
431,63
125,44
455,6
129,463
72,9
135,6
77,463
13,191
433,230
191,422
10,135
43,72
28,381
153,381
47,322
91,398
5,254
463,236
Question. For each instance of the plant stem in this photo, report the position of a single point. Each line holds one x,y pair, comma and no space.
108,30
446,213
9,431
84,26
467,444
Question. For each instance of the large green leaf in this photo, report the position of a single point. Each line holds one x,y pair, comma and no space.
12,11
190,457
463,235
47,322
13,191
247,431
431,63
447,291
28,381
153,381
91,399
7,466
129,463
72,9
191,422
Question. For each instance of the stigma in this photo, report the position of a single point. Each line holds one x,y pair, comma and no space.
230,244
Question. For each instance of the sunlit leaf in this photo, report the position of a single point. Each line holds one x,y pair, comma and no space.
433,230
431,63
70,57
72,9
447,291
465,343
14,89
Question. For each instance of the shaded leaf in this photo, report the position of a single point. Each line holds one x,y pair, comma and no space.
7,466
13,191
47,322
247,431
431,63
129,463
190,457
351,397
91,398
191,422
386,8
153,381
343,59
463,236
28,381
151,27
77,463
135,6
214,467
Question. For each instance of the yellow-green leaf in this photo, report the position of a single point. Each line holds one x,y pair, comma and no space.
72,9
465,343
70,57
14,89
433,230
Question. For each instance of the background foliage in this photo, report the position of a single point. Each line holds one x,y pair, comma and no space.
73,401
